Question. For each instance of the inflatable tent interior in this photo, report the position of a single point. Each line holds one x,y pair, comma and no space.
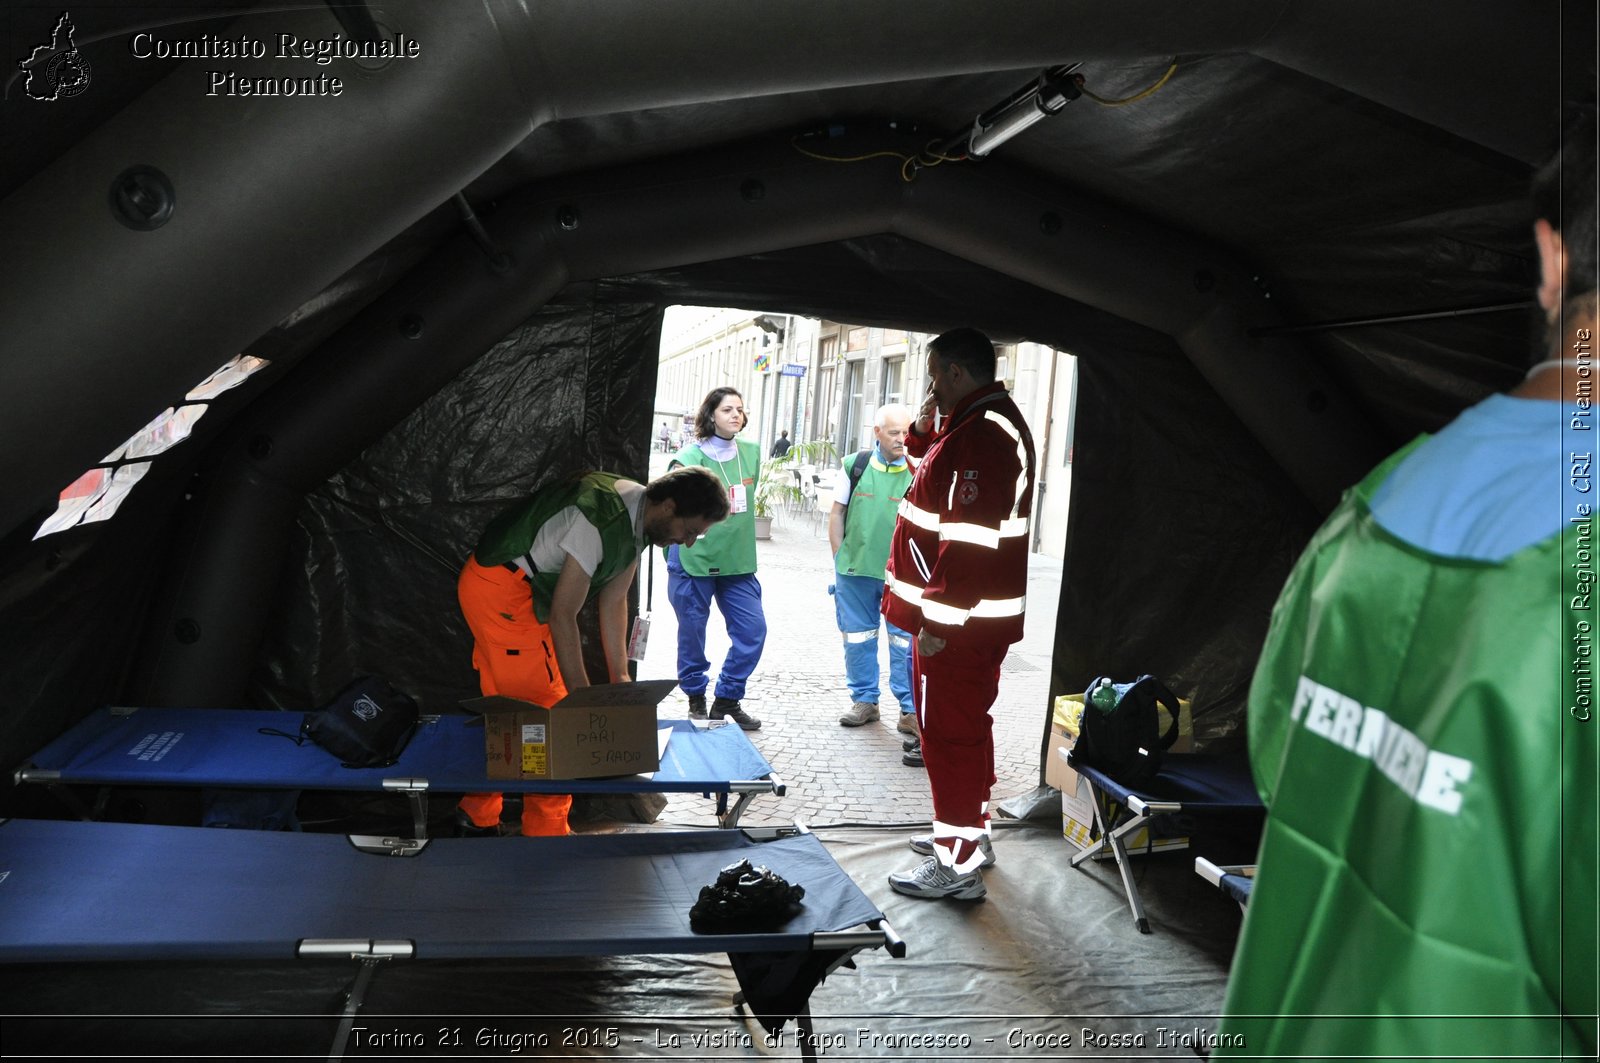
1309,244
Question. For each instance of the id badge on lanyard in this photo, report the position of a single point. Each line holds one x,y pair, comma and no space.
736,498
639,637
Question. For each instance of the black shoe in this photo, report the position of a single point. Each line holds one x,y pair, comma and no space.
697,706
911,743
465,828
728,708
912,757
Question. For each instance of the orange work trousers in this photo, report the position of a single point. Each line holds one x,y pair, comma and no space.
515,656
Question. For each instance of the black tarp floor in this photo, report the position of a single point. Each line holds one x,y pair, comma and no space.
1050,965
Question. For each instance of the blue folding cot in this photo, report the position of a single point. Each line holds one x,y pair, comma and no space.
88,892
234,749
1190,788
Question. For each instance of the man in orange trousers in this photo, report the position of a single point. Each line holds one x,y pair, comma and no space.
536,565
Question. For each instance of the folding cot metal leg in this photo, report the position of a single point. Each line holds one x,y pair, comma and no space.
1123,866
805,1035
728,818
416,791
747,792
352,1005
368,954
1113,838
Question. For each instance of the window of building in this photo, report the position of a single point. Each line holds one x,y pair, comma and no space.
894,380
854,374
822,425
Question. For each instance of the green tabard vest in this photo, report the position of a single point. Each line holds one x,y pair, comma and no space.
730,545
869,522
510,535
1430,850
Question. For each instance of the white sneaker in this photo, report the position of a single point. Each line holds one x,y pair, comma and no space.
923,843
932,879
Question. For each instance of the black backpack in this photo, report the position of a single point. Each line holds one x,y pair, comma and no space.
1124,739
367,726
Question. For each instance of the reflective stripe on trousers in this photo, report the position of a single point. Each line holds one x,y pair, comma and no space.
956,688
858,601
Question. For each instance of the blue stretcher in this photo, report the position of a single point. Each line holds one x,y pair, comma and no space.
227,749
1194,786
191,894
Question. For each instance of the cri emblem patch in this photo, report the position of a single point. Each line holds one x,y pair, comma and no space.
967,493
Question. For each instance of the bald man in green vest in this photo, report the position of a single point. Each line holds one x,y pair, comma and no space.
860,526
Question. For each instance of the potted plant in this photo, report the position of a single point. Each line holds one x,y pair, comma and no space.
780,481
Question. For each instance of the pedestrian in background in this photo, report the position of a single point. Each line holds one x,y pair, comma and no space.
721,567
869,487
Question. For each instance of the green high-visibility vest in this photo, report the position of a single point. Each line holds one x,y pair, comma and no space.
510,535
1420,732
869,526
728,548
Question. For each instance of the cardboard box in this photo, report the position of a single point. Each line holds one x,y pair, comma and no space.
1057,772
1078,825
592,733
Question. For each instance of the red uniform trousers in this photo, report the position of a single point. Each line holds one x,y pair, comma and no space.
954,690
515,656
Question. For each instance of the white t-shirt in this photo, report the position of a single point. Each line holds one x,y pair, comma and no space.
569,532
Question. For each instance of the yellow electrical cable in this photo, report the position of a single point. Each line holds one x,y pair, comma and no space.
1134,98
849,158
909,164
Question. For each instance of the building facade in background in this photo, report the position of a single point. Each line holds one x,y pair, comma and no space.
826,380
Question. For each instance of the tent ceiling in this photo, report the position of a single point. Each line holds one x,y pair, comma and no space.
1364,159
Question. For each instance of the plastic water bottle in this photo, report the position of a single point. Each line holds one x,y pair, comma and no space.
1103,695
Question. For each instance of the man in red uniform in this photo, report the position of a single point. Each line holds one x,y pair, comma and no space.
958,577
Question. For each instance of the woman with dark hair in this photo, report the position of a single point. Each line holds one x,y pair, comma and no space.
721,566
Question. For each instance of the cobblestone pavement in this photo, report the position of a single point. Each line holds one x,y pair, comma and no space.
841,774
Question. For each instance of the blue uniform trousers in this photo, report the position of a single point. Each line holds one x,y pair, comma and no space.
857,602
739,600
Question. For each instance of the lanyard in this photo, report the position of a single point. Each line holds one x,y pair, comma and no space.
722,466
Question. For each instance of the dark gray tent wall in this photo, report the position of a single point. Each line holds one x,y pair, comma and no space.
376,548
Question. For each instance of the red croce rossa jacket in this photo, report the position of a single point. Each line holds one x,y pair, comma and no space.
958,564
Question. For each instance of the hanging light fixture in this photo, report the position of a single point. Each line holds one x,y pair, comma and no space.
1046,95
